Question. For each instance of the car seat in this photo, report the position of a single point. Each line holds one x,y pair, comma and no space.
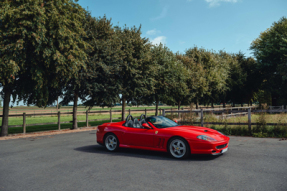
129,121
142,120
136,123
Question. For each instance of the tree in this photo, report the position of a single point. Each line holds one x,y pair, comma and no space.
216,72
95,84
195,81
244,80
133,79
169,76
270,51
41,47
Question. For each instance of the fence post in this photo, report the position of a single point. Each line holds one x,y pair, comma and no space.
145,112
249,120
171,112
24,123
163,112
87,118
111,117
59,122
201,117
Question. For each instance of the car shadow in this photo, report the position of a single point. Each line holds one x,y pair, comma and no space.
138,153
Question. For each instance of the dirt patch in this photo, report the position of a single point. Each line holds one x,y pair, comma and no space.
46,133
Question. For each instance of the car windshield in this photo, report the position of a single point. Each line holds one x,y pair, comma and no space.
161,122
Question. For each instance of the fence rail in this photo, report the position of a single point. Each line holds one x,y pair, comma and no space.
59,114
249,109
233,111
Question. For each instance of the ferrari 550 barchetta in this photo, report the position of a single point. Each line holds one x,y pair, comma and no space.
158,133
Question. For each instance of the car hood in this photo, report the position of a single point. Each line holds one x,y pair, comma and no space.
195,130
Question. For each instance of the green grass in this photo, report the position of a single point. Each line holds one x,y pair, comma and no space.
30,129
48,119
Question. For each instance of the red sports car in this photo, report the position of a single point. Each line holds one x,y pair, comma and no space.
158,133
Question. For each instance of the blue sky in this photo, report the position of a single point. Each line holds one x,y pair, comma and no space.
180,24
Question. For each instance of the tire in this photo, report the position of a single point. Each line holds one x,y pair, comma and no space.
111,142
178,148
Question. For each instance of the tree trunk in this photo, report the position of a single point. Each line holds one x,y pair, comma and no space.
196,104
5,118
274,100
156,106
75,107
123,108
224,103
212,104
57,104
178,108
241,104
250,103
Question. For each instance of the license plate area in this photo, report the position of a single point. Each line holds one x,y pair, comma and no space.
224,150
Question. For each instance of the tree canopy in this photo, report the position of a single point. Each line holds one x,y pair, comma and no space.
270,50
40,45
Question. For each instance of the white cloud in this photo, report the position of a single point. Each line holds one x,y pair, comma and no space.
153,32
214,3
181,42
158,40
162,14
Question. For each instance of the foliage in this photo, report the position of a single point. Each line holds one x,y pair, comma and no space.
170,78
94,84
41,45
133,77
195,81
270,50
216,72
244,81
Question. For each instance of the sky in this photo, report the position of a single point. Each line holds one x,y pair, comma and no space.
229,25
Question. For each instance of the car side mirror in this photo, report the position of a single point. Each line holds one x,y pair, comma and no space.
175,121
146,126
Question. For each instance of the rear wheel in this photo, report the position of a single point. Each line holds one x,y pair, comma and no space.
178,148
111,142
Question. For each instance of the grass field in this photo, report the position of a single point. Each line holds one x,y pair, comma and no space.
261,129
266,118
30,129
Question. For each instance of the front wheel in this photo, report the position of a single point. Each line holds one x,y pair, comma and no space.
111,142
178,148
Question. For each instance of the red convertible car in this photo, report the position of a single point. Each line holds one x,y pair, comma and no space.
158,133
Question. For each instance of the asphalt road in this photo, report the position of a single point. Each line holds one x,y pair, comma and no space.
75,162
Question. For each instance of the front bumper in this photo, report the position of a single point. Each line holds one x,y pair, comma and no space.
208,147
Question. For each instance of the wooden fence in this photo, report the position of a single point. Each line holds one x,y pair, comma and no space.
238,110
229,112
109,112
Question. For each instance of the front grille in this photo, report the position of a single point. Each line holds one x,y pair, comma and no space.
221,146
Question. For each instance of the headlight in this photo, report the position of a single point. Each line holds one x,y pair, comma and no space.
206,138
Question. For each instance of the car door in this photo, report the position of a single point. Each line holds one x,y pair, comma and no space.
139,137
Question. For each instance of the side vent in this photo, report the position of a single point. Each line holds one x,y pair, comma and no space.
160,143
159,140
